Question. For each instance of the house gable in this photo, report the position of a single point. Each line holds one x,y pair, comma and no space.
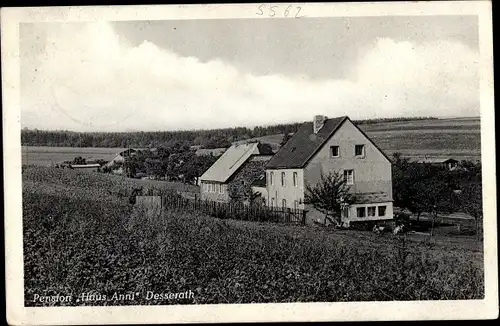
371,172
335,134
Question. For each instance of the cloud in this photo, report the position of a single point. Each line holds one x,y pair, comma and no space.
88,78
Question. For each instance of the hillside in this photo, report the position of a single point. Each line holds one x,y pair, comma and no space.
214,138
80,230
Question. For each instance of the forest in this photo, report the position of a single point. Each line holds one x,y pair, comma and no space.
214,138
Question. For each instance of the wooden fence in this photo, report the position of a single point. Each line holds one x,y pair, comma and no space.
236,210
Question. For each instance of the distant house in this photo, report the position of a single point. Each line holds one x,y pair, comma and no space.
85,167
449,164
234,171
325,145
120,157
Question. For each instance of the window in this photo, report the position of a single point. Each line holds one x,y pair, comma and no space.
381,210
272,202
349,177
296,204
283,179
359,150
221,189
295,179
361,211
283,203
213,187
271,178
334,151
371,211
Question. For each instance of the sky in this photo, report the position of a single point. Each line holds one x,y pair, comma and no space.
204,74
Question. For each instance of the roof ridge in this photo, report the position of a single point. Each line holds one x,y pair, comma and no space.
239,158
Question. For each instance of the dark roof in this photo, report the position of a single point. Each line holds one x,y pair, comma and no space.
302,146
434,160
295,153
372,198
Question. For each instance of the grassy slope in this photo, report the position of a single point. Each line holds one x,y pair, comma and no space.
80,235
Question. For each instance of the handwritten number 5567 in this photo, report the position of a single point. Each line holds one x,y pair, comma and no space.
271,12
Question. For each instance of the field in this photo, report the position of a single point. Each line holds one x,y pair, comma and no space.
45,155
82,235
440,138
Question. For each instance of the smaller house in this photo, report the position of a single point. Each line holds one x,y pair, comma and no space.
85,167
449,164
233,173
120,157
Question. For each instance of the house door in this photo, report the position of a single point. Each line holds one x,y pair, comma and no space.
345,213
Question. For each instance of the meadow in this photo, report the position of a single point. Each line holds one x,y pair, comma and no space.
81,234
46,155
435,138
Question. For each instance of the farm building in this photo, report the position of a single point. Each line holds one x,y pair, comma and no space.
325,145
120,157
233,173
85,167
449,164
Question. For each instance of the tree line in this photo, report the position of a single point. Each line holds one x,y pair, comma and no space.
177,163
214,138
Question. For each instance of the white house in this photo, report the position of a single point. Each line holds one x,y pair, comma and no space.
326,145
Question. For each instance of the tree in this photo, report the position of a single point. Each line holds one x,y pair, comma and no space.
286,137
471,202
422,187
131,166
329,195
79,160
436,199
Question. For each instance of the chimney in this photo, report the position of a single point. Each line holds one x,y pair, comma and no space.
318,122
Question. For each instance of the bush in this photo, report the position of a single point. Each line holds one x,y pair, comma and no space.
402,219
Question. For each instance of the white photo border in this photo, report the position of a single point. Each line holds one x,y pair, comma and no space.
349,311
